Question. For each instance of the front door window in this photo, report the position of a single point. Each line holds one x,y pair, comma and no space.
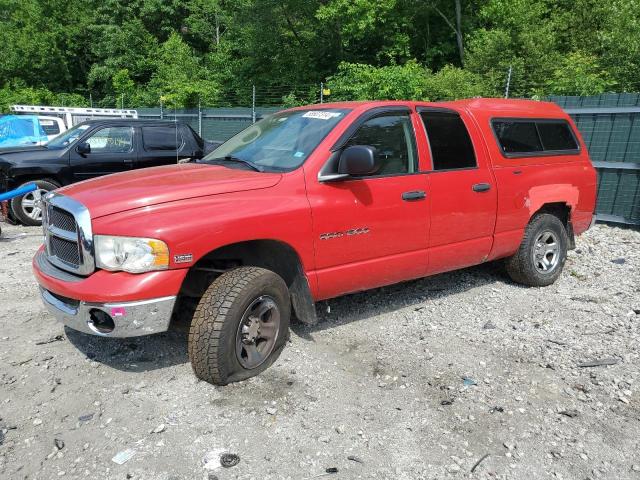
392,136
111,140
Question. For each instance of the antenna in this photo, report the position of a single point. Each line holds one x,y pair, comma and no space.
175,122
506,90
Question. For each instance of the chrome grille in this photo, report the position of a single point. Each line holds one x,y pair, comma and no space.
68,235
61,219
65,250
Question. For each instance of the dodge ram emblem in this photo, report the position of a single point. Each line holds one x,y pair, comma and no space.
349,233
183,258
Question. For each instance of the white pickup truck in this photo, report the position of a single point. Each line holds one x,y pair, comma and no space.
52,126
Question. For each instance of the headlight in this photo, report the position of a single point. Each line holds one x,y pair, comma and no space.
129,254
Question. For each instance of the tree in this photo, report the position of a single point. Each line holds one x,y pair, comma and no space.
355,81
401,82
457,27
579,74
18,94
216,50
179,77
517,34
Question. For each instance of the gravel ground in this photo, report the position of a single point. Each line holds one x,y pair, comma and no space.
418,380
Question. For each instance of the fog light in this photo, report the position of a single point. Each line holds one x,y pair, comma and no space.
100,322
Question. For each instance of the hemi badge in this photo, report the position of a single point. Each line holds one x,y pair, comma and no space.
183,258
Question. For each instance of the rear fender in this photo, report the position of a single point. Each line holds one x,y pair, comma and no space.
537,197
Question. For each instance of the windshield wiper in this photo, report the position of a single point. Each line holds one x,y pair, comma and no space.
231,158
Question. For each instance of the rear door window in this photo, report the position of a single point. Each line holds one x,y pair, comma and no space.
449,140
161,138
521,137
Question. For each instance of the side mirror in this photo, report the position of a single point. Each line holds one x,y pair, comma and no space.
84,148
358,160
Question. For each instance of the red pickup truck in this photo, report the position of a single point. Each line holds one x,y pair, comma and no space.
309,204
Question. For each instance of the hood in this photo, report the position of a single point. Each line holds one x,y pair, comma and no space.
152,186
30,153
21,148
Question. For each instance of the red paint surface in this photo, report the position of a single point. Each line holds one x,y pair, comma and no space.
196,209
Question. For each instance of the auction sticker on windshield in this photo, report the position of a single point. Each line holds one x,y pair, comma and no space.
321,115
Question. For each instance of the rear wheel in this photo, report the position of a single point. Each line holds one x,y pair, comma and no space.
240,326
27,208
540,259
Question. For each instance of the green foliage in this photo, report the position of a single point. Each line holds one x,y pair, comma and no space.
179,78
122,83
18,94
450,83
355,81
579,74
619,44
214,50
410,81
517,33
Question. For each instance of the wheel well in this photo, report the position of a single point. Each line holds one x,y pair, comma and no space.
559,209
563,212
270,254
17,181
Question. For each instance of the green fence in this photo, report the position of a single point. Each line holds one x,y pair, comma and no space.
610,126
217,124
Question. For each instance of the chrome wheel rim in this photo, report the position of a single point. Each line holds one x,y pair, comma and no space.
546,252
32,204
257,332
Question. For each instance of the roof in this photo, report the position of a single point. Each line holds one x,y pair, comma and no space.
488,105
134,121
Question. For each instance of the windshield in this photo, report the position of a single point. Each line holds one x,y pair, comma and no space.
281,142
67,138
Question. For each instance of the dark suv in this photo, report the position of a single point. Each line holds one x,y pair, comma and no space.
92,149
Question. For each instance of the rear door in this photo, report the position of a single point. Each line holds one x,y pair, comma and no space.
462,191
112,151
161,145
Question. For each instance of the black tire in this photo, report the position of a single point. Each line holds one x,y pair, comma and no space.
21,212
524,266
215,327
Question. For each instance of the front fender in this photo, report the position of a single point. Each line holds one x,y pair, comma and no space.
194,227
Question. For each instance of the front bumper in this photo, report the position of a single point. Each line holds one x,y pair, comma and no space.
107,287
130,319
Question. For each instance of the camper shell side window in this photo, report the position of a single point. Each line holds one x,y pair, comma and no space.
532,137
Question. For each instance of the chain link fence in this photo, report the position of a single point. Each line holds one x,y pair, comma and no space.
235,111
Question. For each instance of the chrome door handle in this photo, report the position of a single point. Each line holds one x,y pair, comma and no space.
414,195
481,187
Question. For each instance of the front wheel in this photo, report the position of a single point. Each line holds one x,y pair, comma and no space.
27,208
540,259
240,326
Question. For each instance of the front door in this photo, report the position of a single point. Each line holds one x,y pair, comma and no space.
112,151
462,192
372,230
